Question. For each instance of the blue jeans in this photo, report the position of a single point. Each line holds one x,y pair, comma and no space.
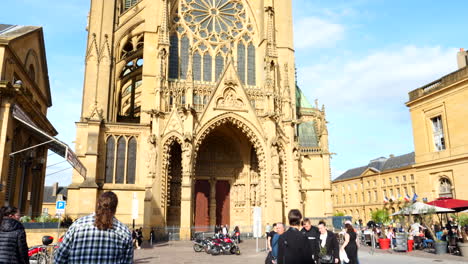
425,241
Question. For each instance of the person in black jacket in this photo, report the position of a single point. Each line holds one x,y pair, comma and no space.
13,245
293,246
329,242
313,235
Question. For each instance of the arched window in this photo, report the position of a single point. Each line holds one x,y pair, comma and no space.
197,67
219,66
184,57
445,188
32,73
120,166
110,158
207,67
131,160
121,160
251,69
130,92
174,57
241,61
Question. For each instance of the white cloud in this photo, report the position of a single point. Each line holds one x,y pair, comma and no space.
365,98
386,76
313,32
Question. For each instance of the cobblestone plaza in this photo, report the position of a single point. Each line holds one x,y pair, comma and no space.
182,253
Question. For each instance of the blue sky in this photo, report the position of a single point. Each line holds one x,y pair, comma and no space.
358,57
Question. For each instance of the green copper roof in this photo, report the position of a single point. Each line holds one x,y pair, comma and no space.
301,100
307,135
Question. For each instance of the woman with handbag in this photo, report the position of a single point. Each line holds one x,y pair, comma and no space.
350,246
329,247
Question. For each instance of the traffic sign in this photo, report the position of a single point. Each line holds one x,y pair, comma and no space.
135,206
60,207
257,222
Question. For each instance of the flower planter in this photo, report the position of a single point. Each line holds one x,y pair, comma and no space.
384,243
49,225
440,247
464,249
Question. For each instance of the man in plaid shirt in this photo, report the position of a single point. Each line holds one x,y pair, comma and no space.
98,237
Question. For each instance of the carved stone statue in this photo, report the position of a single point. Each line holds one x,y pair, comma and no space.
152,155
186,157
274,161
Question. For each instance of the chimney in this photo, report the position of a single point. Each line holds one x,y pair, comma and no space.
54,189
462,58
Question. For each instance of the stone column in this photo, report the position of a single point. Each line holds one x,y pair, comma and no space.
212,202
186,211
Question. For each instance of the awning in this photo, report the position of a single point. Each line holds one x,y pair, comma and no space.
455,204
418,208
57,146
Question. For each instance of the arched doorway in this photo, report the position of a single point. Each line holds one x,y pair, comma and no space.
174,176
226,178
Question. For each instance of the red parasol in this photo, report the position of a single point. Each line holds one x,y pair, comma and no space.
455,204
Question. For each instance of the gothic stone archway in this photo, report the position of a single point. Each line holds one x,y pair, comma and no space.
226,176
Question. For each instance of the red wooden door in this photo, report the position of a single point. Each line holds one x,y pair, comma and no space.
223,203
202,202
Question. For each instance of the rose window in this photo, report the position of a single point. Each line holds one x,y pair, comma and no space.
214,20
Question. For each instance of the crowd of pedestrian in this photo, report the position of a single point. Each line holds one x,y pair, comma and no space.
422,236
303,242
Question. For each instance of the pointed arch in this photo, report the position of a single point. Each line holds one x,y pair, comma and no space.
241,61
131,160
120,162
207,67
197,66
169,140
110,159
174,57
184,56
219,66
251,67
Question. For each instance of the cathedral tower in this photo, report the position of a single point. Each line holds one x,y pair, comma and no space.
191,107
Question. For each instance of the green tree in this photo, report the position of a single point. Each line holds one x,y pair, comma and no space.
381,216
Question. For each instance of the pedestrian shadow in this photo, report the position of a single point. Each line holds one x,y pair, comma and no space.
145,260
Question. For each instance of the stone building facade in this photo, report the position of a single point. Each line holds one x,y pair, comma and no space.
439,114
437,168
383,183
191,107
24,100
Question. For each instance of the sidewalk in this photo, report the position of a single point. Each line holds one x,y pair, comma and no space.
417,253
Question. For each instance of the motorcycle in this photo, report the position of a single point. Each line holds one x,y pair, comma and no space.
225,246
200,244
40,254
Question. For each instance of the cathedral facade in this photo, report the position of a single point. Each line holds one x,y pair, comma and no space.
191,113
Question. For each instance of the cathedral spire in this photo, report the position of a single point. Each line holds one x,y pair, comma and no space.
164,31
271,40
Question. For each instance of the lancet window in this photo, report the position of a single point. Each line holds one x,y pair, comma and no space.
130,82
121,154
204,34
